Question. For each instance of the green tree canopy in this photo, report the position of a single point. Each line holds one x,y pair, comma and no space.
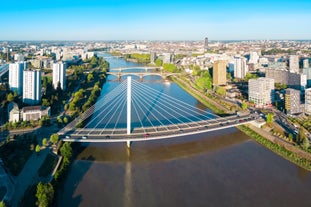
54,138
66,150
221,91
44,141
10,97
170,67
2,204
270,118
38,148
244,105
44,194
158,62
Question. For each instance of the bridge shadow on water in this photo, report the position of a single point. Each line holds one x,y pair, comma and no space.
115,159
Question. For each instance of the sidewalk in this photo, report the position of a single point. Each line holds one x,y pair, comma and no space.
28,176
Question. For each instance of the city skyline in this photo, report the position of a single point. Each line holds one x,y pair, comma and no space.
161,20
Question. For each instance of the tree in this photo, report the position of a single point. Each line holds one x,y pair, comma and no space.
158,62
244,105
2,204
66,150
38,148
203,83
54,138
170,67
221,91
305,143
90,77
44,141
10,97
290,137
44,194
270,118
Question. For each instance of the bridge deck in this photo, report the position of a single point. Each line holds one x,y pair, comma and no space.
153,133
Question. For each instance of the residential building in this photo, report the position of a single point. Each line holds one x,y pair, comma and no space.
32,87
18,58
253,57
153,57
206,43
13,112
35,112
167,58
306,63
240,67
261,91
308,101
219,73
292,101
292,80
307,72
294,63
59,75
16,76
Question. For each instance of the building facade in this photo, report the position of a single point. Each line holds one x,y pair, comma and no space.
34,112
292,80
16,76
32,87
294,63
292,101
59,75
308,101
219,73
261,91
240,67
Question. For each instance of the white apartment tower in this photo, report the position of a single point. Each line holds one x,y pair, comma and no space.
261,91
308,101
306,63
59,75
16,76
240,67
32,87
253,57
294,63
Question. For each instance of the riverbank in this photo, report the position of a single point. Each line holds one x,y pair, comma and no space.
278,146
216,108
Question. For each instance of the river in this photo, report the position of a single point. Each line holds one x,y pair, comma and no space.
223,168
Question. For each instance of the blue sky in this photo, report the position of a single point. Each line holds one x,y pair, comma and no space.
154,20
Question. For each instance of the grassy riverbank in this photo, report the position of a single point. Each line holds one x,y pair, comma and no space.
282,151
202,100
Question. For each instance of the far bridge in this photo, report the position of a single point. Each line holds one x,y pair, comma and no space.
141,75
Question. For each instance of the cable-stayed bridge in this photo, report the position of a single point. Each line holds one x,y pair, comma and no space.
134,111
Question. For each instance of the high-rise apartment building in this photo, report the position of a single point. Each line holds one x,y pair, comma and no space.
59,75
306,63
294,63
240,67
219,73
292,101
261,91
16,76
205,43
32,87
308,101
253,57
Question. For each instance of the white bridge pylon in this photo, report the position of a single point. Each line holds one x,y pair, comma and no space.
133,111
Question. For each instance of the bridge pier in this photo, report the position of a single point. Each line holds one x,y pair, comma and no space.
128,144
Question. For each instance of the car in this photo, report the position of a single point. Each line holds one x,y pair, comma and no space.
146,135
84,137
206,127
107,137
67,137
